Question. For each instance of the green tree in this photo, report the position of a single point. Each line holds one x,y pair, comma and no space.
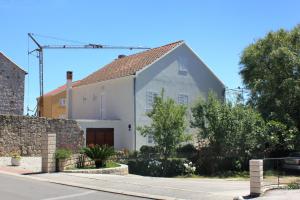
168,125
270,68
234,133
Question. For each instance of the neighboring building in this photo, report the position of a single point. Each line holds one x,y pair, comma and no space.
111,102
12,87
54,103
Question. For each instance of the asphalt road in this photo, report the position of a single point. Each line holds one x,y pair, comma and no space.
16,188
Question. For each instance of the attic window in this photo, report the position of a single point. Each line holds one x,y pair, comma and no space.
182,62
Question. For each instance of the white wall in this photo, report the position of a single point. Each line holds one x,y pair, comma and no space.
118,98
164,73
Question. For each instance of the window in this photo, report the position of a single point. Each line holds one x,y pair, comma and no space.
84,99
150,139
183,99
150,96
182,65
62,102
62,116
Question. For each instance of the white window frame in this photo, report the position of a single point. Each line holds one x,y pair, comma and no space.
182,65
181,100
152,95
62,102
62,116
150,139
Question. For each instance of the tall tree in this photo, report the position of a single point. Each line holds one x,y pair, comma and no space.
270,68
168,125
233,131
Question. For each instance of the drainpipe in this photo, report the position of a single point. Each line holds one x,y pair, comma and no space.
69,95
134,110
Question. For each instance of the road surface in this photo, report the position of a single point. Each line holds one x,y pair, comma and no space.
16,188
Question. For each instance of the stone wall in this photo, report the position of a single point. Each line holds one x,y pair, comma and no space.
12,87
23,134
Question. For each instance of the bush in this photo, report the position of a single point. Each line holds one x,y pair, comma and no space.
186,151
147,151
63,153
293,186
157,167
99,154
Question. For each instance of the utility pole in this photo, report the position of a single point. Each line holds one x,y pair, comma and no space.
40,51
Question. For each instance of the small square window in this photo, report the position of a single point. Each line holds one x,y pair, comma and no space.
183,99
62,102
150,139
62,116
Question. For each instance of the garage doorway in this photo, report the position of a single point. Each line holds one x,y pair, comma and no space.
100,136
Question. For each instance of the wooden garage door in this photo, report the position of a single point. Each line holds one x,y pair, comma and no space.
100,136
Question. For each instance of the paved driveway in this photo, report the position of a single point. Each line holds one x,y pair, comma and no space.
208,189
16,188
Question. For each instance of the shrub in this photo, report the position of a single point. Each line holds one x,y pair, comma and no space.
147,151
293,186
189,168
186,151
157,167
63,153
99,154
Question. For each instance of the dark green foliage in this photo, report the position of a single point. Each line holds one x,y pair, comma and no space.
158,168
148,151
233,134
186,151
99,154
271,71
63,153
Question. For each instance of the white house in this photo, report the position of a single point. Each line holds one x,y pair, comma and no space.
110,103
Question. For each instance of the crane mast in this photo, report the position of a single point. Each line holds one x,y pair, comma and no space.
40,51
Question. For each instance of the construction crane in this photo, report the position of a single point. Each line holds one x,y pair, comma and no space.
40,51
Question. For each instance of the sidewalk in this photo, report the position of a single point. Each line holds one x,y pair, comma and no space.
28,165
175,188
280,195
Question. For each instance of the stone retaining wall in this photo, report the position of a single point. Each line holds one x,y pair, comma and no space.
122,170
76,160
23,134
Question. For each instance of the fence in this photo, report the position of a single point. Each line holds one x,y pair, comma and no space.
277,174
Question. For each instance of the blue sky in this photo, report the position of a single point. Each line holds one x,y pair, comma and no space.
217,31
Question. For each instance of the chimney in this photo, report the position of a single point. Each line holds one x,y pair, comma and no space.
121,56
69,95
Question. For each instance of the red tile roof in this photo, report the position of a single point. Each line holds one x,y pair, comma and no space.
128,65
61,89
124,66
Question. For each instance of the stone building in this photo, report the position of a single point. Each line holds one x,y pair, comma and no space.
11,87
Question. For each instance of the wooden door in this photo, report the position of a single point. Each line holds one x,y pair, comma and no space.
100,136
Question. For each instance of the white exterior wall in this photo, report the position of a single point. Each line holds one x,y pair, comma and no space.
117,104
164,73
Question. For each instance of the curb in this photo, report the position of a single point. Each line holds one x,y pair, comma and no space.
108,190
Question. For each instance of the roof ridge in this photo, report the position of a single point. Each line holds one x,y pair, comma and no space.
132,55
179,41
